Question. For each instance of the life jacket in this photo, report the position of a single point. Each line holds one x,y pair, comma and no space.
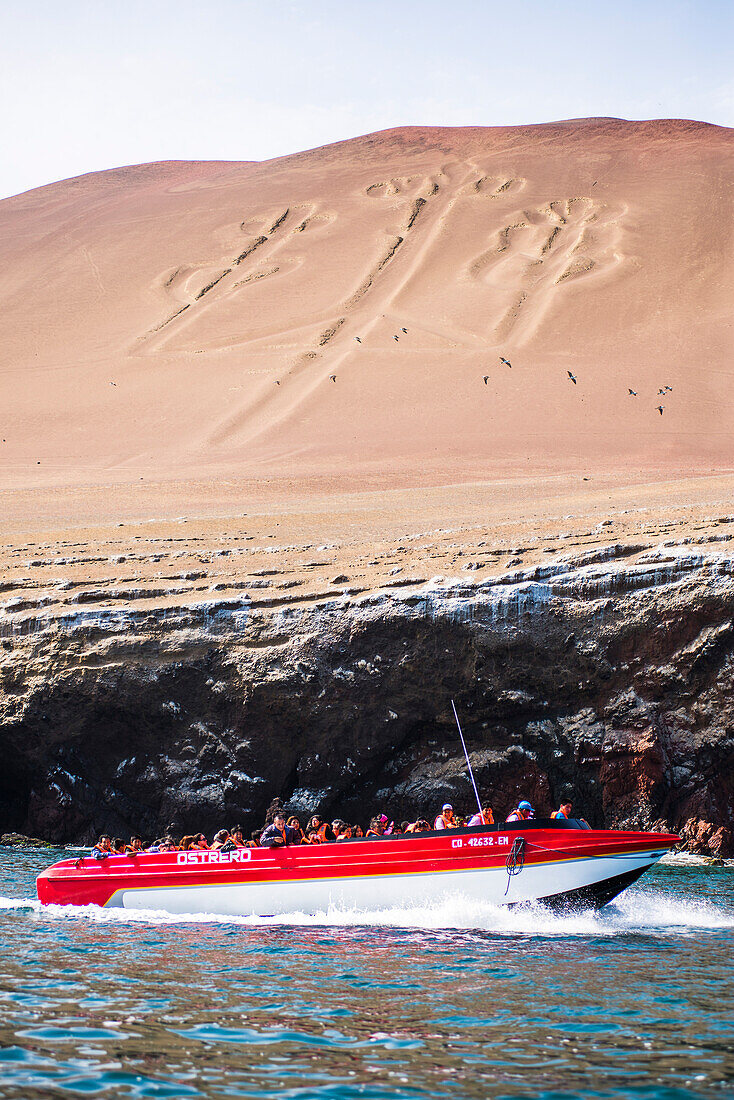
558,814
373,832
444,823
323,833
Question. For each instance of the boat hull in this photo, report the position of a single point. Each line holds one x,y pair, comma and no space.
561,867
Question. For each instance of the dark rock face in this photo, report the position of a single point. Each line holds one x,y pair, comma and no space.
614,684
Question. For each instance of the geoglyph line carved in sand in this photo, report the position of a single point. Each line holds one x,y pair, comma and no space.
311,369
540,251
494,187
191,285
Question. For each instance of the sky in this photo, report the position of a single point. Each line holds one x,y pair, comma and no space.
93,85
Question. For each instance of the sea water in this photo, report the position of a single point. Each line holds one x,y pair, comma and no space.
456,1000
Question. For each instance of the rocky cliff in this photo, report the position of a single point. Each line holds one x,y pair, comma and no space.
607,672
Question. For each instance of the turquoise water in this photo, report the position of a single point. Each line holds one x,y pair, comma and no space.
454,1001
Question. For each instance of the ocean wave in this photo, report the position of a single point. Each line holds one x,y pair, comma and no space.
689,859
643,911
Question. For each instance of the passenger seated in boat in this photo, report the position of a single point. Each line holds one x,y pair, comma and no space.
357,831
155,846
188,843
326,833
254,841
135,845
378,825
237,837
118,846
564,812
485,817
168,844
278,835
446,819
103,848
221,838
201,842
523,812
419,826
295,824
345,832
312,829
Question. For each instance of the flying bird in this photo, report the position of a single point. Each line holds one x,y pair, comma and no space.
396,337
404,330
661,391
660,409
113,383
332,378
633,392
505,361
358,339
572,377
277,383
669,389
486,378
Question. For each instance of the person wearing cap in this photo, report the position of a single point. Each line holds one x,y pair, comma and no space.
446,819
522,813
564,812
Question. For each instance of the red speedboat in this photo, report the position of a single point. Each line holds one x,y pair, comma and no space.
560,863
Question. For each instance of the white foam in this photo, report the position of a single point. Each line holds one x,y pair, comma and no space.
689,859
652,912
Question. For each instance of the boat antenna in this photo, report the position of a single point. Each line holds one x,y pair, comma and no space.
466,754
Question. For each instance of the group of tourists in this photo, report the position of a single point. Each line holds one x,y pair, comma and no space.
282,830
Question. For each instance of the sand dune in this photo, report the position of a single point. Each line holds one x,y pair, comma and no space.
186,319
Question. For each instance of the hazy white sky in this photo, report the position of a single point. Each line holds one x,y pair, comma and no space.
90,85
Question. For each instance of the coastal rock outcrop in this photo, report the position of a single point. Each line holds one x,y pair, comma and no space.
607,674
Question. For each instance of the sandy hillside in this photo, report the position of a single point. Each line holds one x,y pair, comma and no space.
336,318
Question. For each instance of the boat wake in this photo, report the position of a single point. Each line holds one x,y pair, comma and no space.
641,911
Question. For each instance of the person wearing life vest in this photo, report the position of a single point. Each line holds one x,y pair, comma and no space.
484,817
446,819
522,813
103,848
278,835
378,825
326,833
564,812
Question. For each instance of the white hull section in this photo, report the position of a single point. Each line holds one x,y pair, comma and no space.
386,891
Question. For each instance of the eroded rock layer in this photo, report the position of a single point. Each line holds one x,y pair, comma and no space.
604,670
